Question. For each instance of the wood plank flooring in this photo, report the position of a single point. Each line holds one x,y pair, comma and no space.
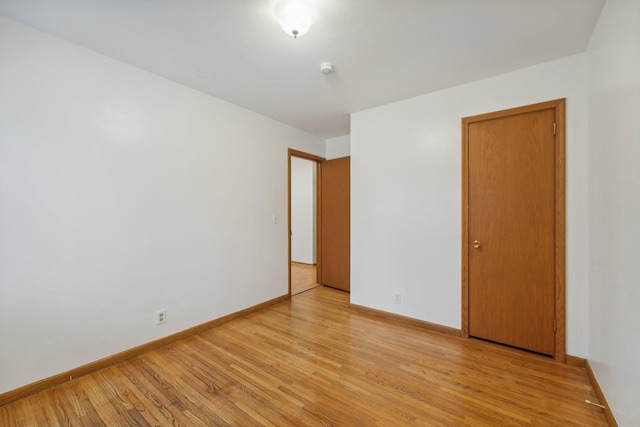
303,277
312,361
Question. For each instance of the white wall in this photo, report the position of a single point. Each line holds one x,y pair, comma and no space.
406,194
338,147
303,210
614,206
123,193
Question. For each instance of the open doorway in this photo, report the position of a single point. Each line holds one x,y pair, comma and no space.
332,224
303,221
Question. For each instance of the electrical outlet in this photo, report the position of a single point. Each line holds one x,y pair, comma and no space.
161,316
397,298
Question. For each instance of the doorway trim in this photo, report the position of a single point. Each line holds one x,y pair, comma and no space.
560,215
318,161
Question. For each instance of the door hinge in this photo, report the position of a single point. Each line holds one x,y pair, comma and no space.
555,325
555,128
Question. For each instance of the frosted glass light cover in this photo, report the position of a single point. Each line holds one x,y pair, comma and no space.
295,16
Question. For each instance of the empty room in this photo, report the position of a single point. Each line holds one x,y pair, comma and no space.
319,212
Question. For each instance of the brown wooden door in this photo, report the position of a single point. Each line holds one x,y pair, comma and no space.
335,214
511,229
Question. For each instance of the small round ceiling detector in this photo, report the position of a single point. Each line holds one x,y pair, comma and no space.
326,68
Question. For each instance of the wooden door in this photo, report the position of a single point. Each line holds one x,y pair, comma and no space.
335,214
511,240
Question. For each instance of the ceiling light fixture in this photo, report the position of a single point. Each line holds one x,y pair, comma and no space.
295,16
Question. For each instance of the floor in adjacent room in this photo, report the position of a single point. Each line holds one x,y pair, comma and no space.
303,277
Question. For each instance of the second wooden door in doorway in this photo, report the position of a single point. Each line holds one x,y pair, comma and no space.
335,228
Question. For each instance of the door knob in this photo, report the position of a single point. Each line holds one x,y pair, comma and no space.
476,244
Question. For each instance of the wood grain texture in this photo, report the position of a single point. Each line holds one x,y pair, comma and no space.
512,214
519,167
335,220
584,364
408,320
89,368
313,361
303,277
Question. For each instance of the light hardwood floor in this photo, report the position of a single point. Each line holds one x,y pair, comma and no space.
312,361
303,277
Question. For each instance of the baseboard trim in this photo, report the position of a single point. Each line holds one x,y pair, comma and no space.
306,264
584,363
44,384
608,414
576,361
407,320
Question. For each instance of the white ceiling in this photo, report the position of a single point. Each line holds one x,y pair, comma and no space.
382,50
